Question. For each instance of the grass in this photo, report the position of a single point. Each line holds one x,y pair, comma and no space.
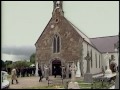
96,85
47,87
83,85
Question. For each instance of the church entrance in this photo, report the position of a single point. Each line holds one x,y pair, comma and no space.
56,67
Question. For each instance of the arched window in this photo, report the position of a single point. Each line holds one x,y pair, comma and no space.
56,44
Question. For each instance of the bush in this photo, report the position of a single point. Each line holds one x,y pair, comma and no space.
19,64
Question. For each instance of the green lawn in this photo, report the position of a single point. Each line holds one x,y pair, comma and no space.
96,85
46,87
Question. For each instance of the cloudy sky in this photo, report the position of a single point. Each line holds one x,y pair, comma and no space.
24,21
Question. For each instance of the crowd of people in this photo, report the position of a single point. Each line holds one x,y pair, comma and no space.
43,74
27,71
23,72
17,72
30,71
61,71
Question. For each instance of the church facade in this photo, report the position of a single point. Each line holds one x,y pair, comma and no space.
62,43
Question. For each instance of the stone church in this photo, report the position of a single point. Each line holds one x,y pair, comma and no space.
62,43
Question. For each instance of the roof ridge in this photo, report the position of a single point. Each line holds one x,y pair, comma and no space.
104,36
88,41
79,29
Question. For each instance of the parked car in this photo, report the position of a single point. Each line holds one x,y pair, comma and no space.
4,80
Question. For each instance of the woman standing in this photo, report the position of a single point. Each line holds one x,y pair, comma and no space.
14,75
46,72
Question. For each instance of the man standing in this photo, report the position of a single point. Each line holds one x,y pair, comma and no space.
14,75
55,71
40,74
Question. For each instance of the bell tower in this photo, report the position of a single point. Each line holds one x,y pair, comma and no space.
58,6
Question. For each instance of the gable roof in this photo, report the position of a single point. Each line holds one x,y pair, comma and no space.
105,44
42,32
85,37
81,33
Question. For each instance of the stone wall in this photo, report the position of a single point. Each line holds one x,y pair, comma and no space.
70,46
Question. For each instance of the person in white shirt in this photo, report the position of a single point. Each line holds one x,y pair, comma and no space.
14,75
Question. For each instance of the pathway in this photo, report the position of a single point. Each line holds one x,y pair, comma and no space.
28,82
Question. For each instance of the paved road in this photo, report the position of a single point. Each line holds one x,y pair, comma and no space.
27,82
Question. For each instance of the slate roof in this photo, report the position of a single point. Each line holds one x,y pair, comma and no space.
102,44
86,38
105,44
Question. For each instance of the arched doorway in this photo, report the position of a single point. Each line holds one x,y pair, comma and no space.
56,66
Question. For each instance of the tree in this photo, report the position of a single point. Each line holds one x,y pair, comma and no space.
8,63
21,64
32,58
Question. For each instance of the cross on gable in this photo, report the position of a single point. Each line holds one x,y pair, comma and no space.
88,56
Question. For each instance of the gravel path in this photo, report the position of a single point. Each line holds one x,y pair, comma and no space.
27,82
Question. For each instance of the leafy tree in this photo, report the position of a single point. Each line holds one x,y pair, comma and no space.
32,58
8,62
10,66
20,64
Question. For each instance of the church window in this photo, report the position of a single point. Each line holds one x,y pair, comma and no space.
99,61
96,59
91,58
56,44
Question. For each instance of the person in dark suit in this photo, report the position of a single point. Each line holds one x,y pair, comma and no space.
40,74
55,71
